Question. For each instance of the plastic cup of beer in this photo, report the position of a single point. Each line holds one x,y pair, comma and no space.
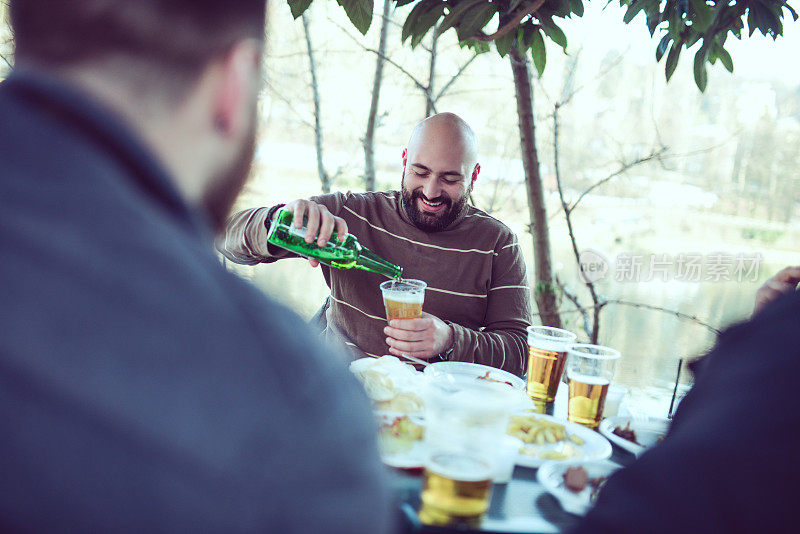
456,489
466,421
590,369
547,353
403,299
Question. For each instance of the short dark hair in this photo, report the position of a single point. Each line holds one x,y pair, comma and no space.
174,36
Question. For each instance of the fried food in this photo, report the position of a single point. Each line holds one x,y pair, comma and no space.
626,433
537,433
399,436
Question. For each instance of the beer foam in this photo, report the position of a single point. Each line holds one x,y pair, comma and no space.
459,466
406,297
552,344
588,379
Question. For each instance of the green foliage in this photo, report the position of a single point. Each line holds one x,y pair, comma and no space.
298,7
681,24
709,22
421,19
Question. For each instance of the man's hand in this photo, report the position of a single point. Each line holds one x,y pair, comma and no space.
784,281
422,338
321,223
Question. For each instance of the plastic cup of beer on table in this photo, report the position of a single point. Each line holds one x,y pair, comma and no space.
465,424
456,489
403,299
547,352
590,369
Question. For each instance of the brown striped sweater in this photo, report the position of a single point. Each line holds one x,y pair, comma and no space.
474,270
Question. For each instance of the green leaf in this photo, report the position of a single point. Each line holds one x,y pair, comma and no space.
633,9
538,52
577,7
426,21
700,73
512,5
474,20
672,59
401,3
457,12
662,47
504,43
298,7
555,33
359,12
725,58
702,15
419,18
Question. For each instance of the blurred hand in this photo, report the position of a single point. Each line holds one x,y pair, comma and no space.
321,223
784,281
422,338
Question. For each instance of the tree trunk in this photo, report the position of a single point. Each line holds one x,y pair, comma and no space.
544,290
369,136
430,106
323,174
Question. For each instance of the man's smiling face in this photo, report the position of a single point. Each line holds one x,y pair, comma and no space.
438,171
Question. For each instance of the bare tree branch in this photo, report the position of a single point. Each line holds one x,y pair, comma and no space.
291,104
655,154
430,103
595,328
679,315
454,77
6,61
386,58
324,178
572,297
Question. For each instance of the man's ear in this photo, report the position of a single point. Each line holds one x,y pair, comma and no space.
475,172
405,157
238,79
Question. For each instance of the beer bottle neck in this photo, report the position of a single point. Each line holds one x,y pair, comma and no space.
370,261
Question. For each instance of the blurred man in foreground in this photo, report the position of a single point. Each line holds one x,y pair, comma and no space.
142,387
729,462
477,303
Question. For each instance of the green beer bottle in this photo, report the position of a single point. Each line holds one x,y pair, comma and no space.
347,254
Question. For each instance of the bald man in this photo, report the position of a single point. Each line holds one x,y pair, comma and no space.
477,303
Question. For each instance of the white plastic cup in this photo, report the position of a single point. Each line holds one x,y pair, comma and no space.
616,394
504,458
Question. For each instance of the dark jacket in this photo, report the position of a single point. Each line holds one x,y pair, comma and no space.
731,461
142,387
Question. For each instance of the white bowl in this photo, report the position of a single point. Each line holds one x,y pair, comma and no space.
475,370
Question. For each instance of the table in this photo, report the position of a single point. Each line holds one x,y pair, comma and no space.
520,506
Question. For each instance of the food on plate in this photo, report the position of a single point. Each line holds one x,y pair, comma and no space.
490,379
577,478
536,432
391,384
626,433
405,402
399,436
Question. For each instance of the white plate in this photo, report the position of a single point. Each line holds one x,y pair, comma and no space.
411,459
476,370
647,430
551,476
595,446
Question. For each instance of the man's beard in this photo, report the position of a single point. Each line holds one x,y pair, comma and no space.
221,195
432,222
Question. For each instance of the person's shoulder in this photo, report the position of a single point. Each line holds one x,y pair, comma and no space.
370,201
480,221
